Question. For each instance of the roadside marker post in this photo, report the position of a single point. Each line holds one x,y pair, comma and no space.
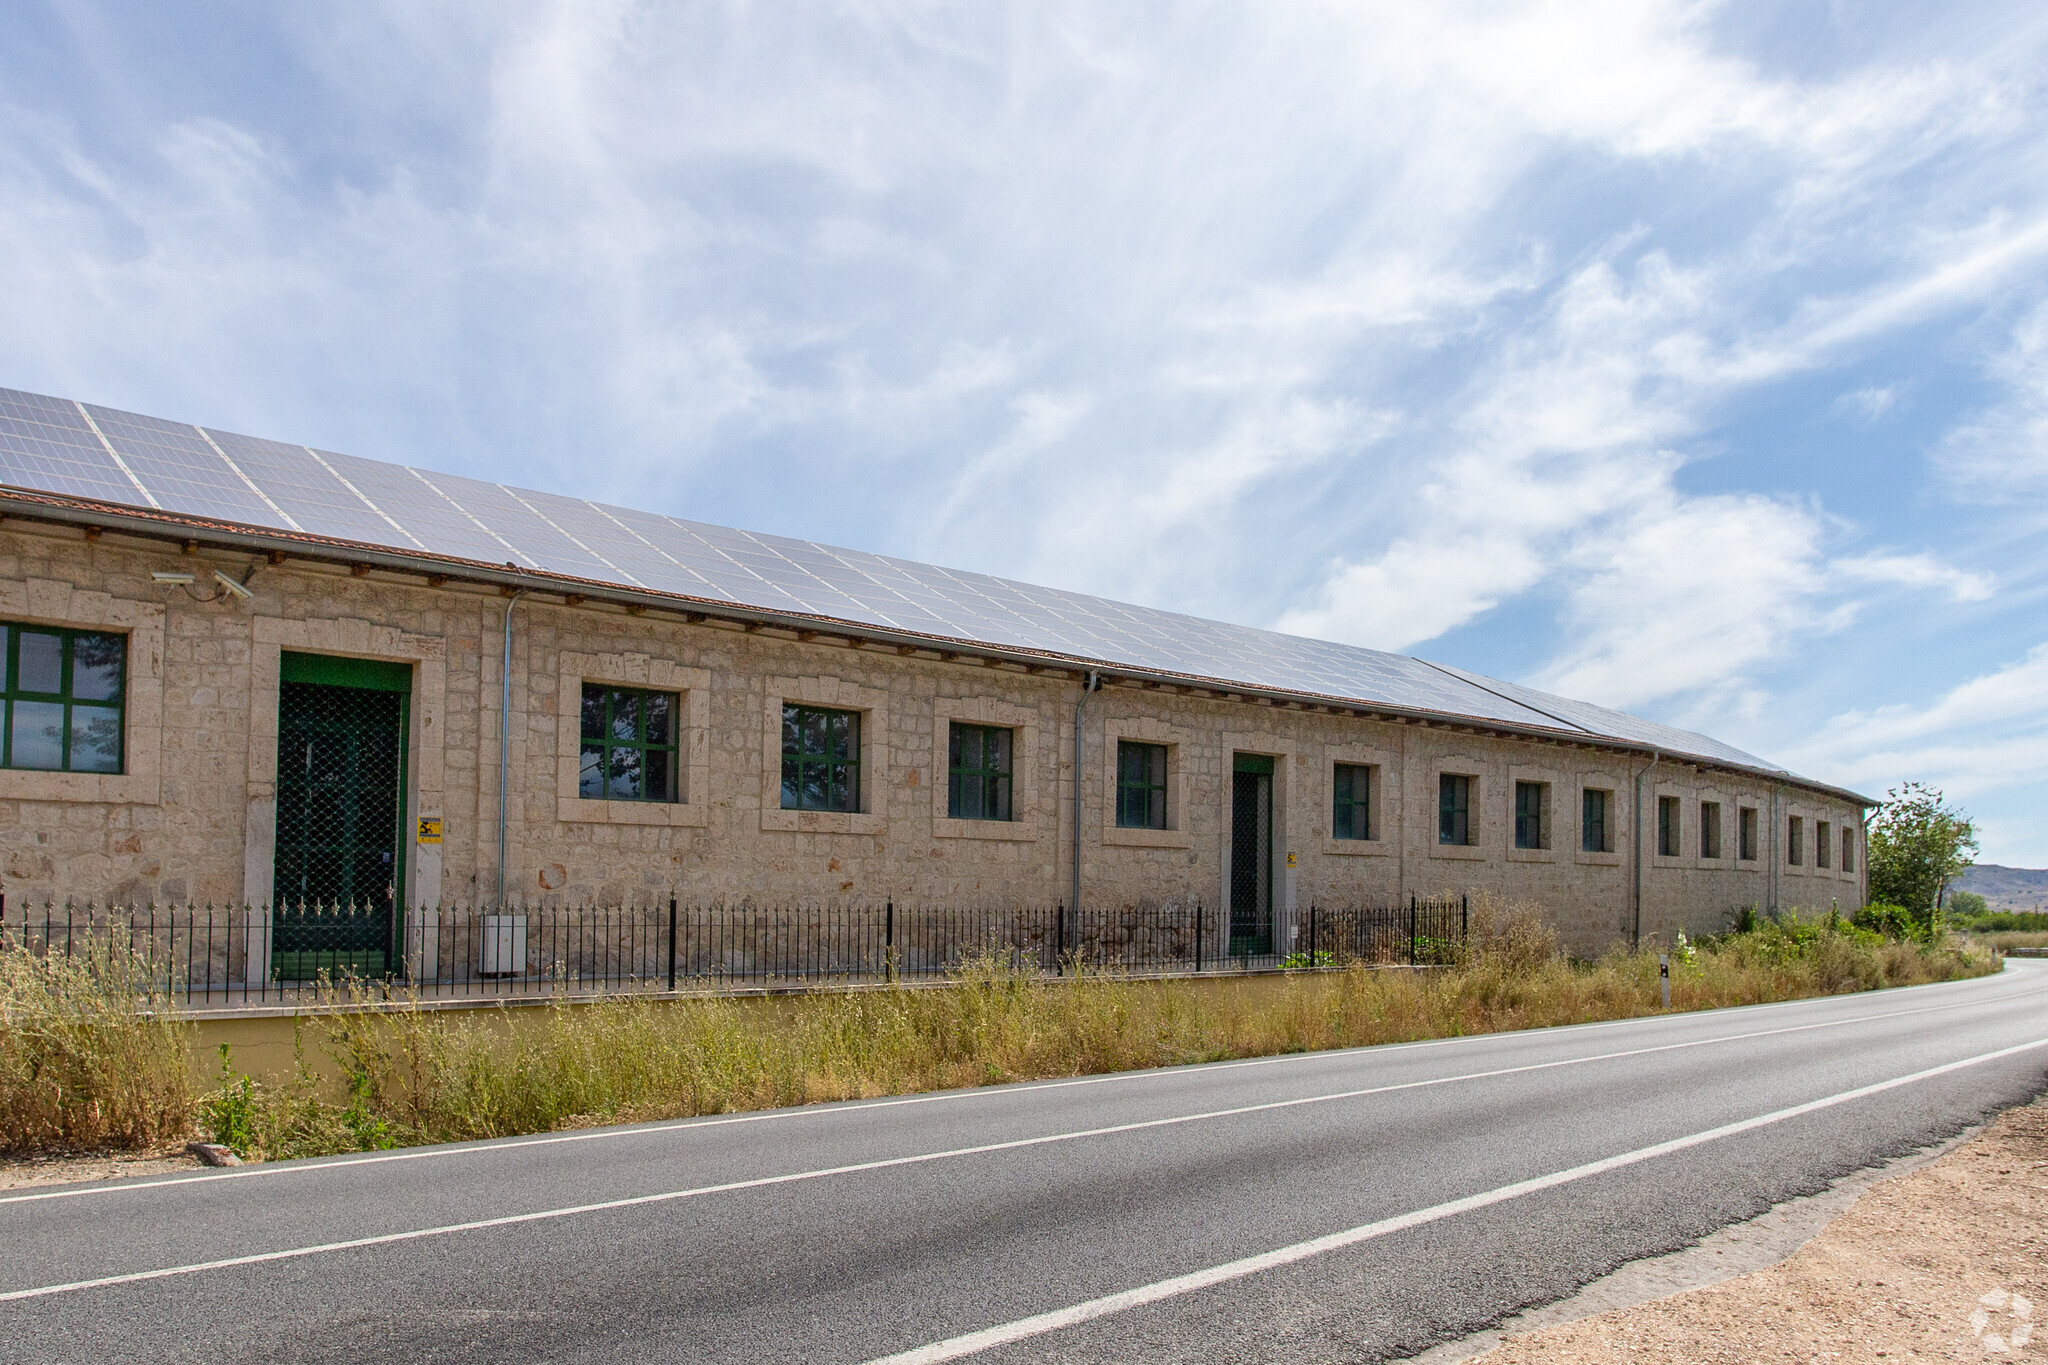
1664,976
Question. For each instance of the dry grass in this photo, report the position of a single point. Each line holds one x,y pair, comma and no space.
2005,940
80,1068
427,1076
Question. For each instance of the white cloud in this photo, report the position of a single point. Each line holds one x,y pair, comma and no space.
1690,595
1983,741
2001,454
1870,402
1918,571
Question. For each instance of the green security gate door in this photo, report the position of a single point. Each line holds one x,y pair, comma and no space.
339,873
1251,855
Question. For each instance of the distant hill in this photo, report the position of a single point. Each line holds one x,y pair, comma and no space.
2006,888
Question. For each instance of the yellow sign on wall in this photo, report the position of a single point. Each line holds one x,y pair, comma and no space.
1290,860
430,829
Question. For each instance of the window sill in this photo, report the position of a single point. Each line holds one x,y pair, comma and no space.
822,821
575,810
1357,848
1597,859
118,789
1116,836
1016,831
1464,852
1532,855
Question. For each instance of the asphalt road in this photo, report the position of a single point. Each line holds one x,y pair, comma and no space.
1338,1206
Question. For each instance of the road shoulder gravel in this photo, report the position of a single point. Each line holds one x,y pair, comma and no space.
1942,1255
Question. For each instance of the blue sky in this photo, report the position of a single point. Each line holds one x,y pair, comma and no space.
1688,358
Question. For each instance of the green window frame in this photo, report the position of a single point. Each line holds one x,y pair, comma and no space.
978,771
1823,838
1351,801
820,759
64,703
1848,849
1745,833
1667,827
629,744
1453,808
1593,832
1710,829
1795,841
1529,815
1140,785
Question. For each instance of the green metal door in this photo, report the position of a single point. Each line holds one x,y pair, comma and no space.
1251,855
339,874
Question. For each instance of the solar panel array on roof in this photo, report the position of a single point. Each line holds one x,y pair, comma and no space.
58,446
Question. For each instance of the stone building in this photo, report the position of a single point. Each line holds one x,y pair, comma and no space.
239,670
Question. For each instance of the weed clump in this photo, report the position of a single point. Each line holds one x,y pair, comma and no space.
92,1056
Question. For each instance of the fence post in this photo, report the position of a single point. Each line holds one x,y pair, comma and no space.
1059,955
1198,936
1411,929
671,945
1312,935
1464,919
889,940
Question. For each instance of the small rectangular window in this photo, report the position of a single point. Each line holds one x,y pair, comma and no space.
629,744
1595,836
1848,850
1530,800
1710,829
1745,833
820,759
978,771
1795,841
1453,809
1140,785
1351,814
1667,827
61,708
1823,843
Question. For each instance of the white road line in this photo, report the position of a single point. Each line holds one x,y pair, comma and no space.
1003,1334
821,1111
879,1164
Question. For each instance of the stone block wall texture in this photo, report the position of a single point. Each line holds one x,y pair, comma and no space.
192,818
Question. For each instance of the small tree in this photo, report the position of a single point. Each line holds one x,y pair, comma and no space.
1967,904
1918,844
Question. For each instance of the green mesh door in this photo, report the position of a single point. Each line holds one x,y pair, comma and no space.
340,867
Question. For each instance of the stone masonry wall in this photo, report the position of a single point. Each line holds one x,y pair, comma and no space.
192,819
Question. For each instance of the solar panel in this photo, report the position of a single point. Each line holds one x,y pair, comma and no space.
50,444
183,470
46,443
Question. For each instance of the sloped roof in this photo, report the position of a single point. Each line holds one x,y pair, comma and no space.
102,455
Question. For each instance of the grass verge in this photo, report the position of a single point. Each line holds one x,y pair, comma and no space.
434,1076
81,1069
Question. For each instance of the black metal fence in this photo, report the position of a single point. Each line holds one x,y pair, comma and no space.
221,955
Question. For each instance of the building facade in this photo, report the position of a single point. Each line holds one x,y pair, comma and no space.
216,711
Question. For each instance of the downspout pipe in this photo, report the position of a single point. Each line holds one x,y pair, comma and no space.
1635,937
505,744
1093,682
